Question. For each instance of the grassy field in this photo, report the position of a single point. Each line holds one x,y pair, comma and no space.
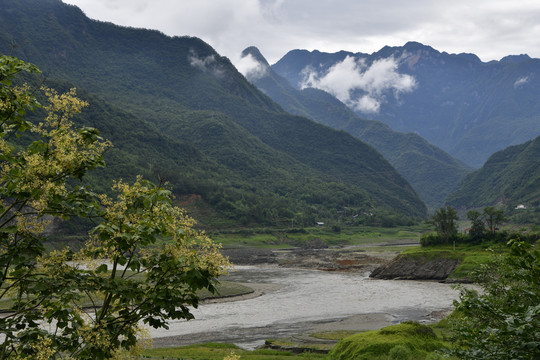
213,351
346,236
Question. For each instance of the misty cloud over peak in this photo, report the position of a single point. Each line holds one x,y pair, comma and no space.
205,64
251,67
361,86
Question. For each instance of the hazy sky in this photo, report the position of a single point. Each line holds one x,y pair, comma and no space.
489,28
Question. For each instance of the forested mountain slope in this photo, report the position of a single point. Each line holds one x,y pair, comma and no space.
467,107
178,110
433,173
510,177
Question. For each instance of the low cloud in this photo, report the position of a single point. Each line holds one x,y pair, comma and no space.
205,64
521,81
251,68
361,86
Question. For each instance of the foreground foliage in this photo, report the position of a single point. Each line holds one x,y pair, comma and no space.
127,277
503,320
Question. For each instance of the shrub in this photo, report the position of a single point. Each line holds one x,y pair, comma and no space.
399,352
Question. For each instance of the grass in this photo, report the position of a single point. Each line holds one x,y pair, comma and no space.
470,255
287,238
334,335
215,351
418,340
301,346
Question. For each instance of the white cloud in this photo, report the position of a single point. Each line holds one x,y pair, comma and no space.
521,81
251,68
361,86
367,104
205,64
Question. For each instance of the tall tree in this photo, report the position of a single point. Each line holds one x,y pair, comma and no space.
477,230
493,217
444,221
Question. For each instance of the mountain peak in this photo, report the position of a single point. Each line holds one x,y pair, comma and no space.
515,58
256,54
410,47
415,45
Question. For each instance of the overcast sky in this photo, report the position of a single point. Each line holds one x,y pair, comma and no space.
490,29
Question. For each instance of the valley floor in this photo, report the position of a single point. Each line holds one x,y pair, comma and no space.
347,260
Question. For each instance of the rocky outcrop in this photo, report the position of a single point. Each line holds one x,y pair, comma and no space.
416,268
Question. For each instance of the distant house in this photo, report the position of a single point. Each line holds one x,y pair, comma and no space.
521,207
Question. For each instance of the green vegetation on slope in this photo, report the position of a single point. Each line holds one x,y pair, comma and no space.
432,172
177,111
510,177
408,340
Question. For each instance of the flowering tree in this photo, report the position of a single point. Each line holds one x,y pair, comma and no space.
142,264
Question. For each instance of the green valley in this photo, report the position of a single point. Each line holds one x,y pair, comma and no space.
433,173
179,112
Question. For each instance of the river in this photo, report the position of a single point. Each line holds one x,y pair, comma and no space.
300,301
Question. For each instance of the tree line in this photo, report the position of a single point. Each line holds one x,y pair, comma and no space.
484,226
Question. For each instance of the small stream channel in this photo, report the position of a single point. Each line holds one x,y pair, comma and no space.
304,301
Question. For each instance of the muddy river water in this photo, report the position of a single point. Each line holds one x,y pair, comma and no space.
298,301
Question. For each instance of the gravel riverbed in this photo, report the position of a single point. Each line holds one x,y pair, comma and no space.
293,297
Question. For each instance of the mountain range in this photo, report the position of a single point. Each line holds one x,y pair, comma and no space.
467,107
178,111
381,135
432,172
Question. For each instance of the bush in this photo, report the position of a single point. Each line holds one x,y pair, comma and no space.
429,239
399,352
433,239
502,320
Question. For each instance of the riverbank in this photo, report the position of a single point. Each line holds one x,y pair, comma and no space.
249,328
296,303
363,259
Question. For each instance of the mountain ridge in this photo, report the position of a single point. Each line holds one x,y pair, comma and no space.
261,164
413,157
467,107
